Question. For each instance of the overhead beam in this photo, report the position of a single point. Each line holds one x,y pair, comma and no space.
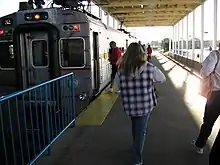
149,20
148,24
134,13
156,14
150,17
150,2
138,10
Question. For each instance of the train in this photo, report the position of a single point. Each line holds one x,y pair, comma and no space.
41,44
37,45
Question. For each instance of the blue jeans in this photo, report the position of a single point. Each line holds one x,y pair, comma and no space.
139,129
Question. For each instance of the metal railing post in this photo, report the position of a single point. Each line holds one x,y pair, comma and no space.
47,117
73,99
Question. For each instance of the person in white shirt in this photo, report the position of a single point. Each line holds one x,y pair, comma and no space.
212,109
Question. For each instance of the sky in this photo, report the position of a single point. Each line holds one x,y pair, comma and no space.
147,34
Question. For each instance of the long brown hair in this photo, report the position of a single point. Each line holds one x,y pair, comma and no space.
133,59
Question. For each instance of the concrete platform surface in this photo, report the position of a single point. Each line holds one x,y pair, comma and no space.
172,127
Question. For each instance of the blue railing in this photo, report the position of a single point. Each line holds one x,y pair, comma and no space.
33,119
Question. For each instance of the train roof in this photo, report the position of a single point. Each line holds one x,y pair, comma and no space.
54,16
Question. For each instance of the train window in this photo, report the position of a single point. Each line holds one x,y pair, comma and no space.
39,53
7,55
72,52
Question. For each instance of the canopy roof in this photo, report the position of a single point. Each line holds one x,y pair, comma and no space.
136,13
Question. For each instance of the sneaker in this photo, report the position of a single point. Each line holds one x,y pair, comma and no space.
198,150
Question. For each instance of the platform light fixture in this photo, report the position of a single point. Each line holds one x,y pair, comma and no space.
142,6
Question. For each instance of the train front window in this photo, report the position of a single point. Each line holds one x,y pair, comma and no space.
39,53
7,55
72,52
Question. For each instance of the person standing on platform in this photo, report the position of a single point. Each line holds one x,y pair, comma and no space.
143,46
137,77
114,55
149,52
212,108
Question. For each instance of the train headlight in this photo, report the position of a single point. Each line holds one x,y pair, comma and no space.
76,28
69,28
37,17
2,31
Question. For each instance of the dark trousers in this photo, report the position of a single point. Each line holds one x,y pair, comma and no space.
155,90
139,130
215,151
148,57
212,111
114,71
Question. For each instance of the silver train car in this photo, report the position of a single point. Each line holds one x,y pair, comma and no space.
40,44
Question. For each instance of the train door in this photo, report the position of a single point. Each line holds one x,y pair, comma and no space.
35,62
96,65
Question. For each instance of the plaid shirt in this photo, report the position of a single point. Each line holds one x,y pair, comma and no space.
137,91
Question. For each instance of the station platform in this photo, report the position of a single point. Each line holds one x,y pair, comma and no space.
106,139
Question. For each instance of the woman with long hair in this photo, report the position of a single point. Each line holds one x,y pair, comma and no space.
137,77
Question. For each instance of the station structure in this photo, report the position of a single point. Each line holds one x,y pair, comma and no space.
101,134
